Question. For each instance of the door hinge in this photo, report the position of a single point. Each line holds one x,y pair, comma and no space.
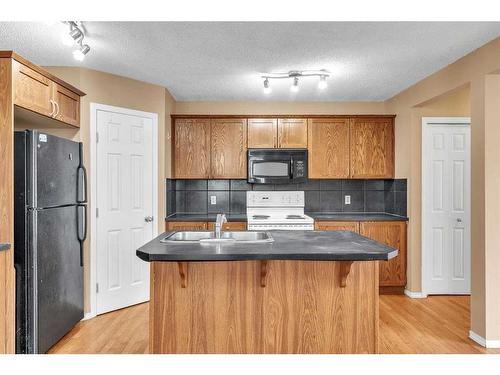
97,287
97,137
97,212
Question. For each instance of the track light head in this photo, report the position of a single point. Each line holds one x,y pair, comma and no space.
322,83
79,54
267,87
76,33
295,85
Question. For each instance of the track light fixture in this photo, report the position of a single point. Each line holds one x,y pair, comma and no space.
295,74
75,36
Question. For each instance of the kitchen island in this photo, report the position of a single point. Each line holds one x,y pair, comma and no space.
305,292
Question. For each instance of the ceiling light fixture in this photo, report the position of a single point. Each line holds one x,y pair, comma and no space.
295,85
76,35
267,87
295,74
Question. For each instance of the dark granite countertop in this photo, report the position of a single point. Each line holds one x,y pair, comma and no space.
318,216
4,246
355,216
287,245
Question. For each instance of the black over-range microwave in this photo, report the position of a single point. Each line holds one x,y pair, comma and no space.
277,166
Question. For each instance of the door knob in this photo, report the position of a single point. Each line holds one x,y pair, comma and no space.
459,220
148,219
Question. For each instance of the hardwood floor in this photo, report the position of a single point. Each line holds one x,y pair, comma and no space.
438,324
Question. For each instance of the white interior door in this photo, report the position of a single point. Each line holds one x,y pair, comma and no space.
446,206
124,208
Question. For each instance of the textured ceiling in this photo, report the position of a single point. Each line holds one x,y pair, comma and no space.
224,60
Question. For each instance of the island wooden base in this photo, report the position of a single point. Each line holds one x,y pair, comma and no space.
278,306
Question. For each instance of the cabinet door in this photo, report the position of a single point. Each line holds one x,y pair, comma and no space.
185,225
328,145
391,233
228,148
372,147
230,225
67,105
262,133
32,90
337,225
192,148
292,133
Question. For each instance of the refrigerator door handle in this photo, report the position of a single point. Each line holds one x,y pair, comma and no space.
82,232
82,172
82,182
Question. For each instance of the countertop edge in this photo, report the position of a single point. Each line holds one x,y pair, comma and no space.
316,216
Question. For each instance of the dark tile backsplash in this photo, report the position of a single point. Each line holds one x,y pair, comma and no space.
193,196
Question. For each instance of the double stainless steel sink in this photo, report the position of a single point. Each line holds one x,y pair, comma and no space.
225,237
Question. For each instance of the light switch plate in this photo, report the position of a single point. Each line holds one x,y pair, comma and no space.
213,199
347,199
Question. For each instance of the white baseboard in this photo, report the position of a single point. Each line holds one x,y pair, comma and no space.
88,316
411,294
493,344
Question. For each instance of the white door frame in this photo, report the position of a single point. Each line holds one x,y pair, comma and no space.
94,108
426,122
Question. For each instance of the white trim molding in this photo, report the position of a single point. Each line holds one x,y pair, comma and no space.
94,108
491,344
411,294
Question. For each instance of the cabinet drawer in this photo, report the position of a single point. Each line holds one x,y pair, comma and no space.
337,225
185,225
231,225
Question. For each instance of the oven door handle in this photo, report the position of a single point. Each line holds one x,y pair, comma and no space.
291,167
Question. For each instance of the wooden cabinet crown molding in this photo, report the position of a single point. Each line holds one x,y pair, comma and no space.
304,116
40,70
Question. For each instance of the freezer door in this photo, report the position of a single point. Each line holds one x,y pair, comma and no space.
59,292
56,173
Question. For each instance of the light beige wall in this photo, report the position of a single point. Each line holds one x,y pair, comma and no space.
492,205
117,91
276,108
469,70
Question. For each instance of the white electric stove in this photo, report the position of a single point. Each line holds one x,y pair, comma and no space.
277,210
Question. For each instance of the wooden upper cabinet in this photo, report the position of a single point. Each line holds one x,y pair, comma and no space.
372,147
391,233
67,105
228,148
191,148
262,133
32,90
43,95
328,145
292,133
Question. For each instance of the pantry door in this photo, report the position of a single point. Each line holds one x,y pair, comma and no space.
446,190
126,202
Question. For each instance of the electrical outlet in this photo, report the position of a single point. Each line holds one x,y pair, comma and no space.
347,199
213,199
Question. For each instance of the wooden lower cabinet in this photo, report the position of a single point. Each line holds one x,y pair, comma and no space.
204,225
392,273
222,307
392,233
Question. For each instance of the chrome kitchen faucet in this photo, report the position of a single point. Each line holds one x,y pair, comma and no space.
221,219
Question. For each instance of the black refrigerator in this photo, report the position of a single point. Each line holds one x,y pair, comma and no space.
50,226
